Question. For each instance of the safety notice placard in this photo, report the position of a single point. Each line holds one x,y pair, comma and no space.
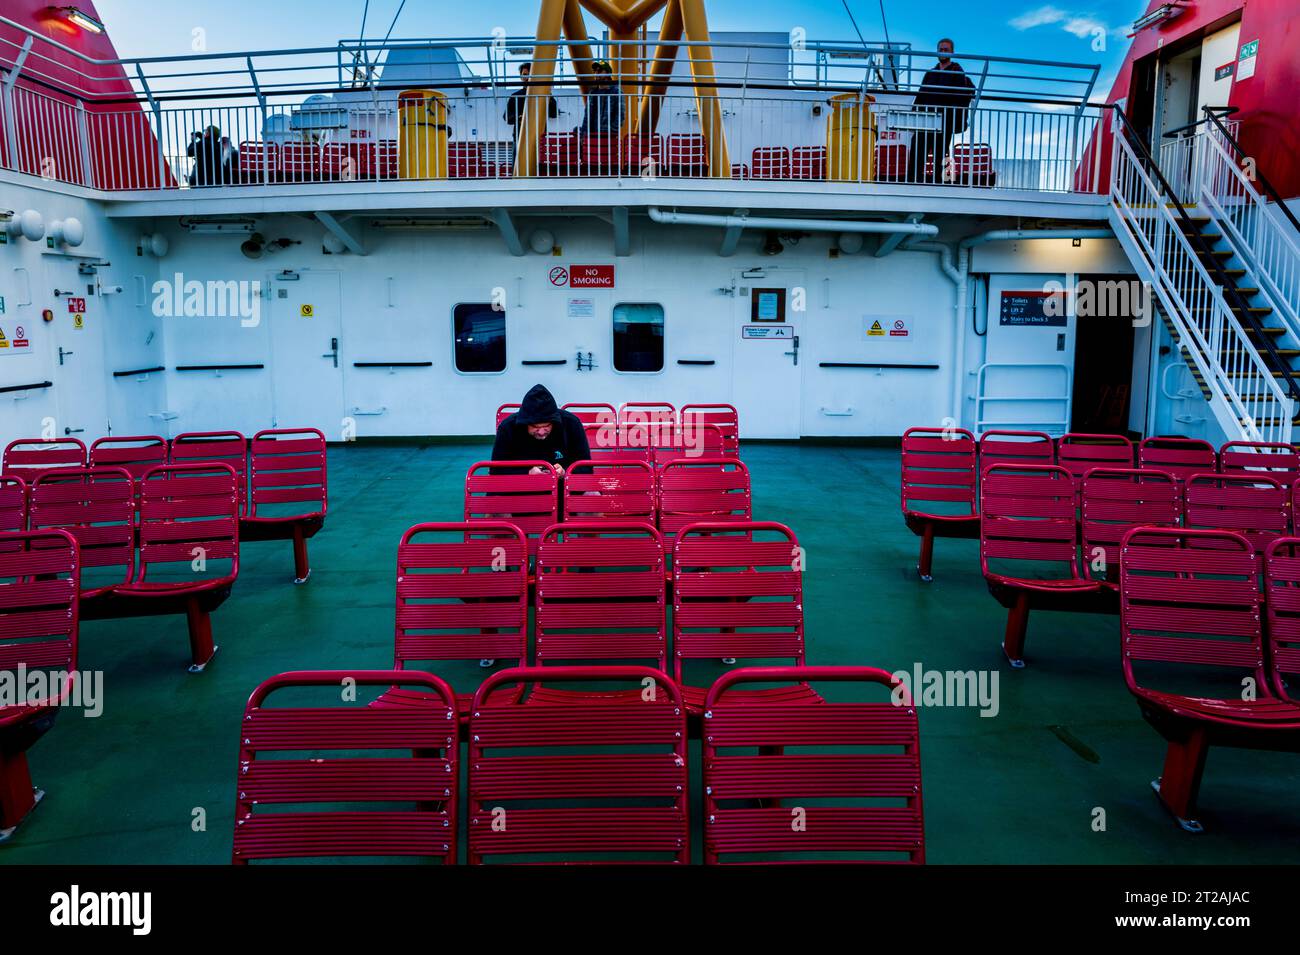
782,332
887,327
14,341
581,308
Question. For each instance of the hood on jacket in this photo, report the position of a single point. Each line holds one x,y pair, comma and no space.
538,406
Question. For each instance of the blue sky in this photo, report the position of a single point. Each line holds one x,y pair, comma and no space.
1047,31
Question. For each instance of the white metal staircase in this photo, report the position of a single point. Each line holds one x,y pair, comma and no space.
1241,365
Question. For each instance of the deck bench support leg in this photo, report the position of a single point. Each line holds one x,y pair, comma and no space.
923,567
301,568
1013,643
1180,781
202,648
17,795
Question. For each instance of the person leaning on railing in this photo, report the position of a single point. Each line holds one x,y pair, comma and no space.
947,90
514,113
604,102
212,157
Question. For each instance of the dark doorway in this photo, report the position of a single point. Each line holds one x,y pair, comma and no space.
1105,306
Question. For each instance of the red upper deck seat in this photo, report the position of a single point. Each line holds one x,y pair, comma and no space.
938,488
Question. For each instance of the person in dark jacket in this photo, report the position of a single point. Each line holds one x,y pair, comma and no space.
604,102
541,431
515,105
211,163
947,90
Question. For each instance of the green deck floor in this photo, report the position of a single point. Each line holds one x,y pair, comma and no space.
123,788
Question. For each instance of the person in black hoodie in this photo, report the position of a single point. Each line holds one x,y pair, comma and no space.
541,431
947,90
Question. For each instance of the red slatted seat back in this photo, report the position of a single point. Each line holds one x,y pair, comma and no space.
258,161
808,162
1113,501
1190,598
1255,506
286,474
13,504
702,489
465,160
646,424
136,453
1016,447
600,594
1027,518
1078,452
188,512
854,768
695,441
39,586
938,477
592,412
972,164
891,161
640,153
350,161
740,170
618,491
222,447
529,501
386,155
304,769
604,442
724,417
737,592
97,506
505,411
685,154
29,458
560,154
770,162
1282,601
617,792
1181,457
462,593
600,153
1281,461
301,161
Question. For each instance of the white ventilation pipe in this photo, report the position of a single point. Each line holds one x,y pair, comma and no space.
805,225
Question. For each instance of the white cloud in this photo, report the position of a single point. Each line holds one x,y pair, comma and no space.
1042,16
1084,27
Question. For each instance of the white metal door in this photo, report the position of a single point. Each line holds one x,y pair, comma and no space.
306,352
766,384
77,352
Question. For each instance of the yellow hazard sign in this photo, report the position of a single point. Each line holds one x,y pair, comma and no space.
306,311
78,320
4,342
876,329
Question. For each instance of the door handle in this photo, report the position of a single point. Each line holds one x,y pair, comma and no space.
334,353
68,431
795,354
63,354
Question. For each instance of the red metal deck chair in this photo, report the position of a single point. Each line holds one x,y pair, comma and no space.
646,424
498,493
505,411
1016,447
859,790
1254,506
1181,457
401,763
685,154
39,581
689,444
1190,627
13,504
97,506
605,445
1282,600
691,490
288,491
938,488
136,453
1280,461
724,417
617,792
592,412
222,447
738,595
462,594
29,458
618,491
189,551
1029,548
600,600
1078,452
770,162
1113,502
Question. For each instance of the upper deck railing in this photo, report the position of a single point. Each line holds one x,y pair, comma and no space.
793,111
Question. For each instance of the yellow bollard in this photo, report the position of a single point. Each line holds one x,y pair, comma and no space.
422,137
851,138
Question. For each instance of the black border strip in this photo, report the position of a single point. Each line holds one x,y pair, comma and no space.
696,361
392,364
218,367
33,385
860,364
137,371
545,361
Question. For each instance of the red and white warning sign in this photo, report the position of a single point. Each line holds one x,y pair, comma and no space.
20,338
76,305
559,276
591,276
899,328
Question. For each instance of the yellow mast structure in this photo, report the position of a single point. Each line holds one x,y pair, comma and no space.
625,19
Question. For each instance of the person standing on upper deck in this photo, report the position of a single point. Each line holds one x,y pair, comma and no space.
515,105
604,103
947,90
